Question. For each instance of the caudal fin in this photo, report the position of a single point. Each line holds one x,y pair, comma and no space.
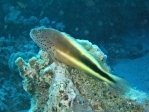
120,84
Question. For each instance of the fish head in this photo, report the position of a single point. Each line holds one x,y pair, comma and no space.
42,37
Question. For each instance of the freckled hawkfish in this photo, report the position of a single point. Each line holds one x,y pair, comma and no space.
66,49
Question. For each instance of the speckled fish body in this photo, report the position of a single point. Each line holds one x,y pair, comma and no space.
66,49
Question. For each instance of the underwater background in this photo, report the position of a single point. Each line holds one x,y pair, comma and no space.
119,27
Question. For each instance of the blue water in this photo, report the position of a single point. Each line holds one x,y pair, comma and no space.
120,28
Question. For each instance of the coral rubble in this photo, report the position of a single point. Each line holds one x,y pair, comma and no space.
56,87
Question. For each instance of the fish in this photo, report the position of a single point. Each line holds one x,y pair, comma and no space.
64,48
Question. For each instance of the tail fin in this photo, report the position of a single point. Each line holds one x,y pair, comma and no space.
120,84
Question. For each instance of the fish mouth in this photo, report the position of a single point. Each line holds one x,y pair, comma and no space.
36,31
32,32
36,34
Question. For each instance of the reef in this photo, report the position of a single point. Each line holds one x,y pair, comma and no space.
56,87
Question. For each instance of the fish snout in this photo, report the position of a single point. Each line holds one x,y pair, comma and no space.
36,32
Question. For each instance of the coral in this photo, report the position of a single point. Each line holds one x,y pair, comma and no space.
12,95
56,87
15,44
104,25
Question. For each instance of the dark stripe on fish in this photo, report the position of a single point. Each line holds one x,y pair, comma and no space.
95,68
87,62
